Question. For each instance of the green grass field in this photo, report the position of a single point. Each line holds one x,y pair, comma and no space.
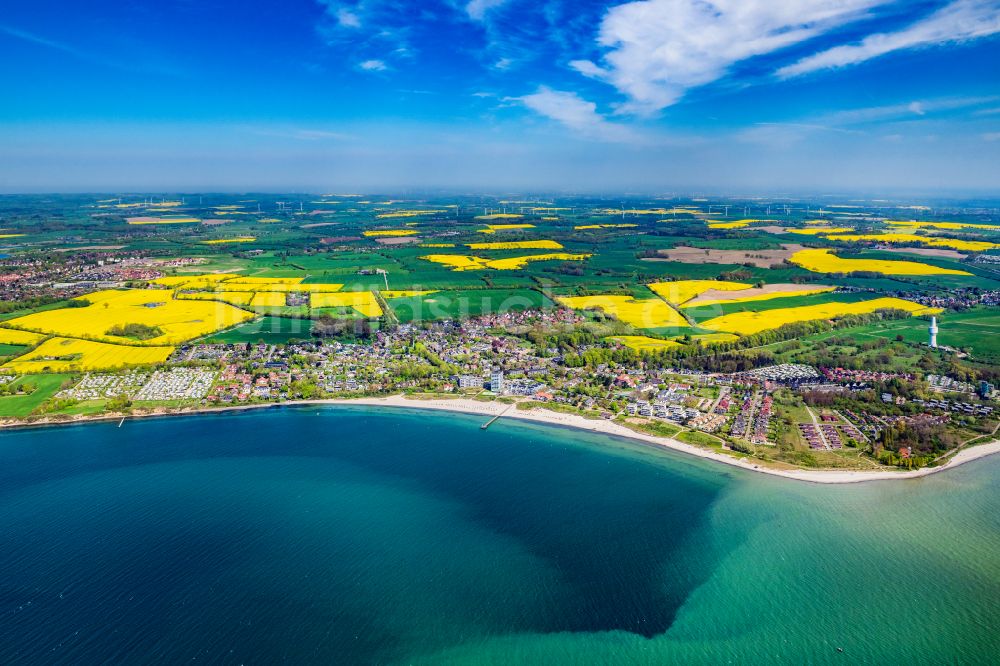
272,330
976,330
22,405
459,303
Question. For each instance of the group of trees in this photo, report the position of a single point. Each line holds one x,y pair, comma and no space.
326,326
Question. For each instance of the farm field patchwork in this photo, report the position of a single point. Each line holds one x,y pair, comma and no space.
69,354
404,213
933,241
517,245
179,320
10,336
945,225
390,233
641,343
462,303
269,299
583,227
494,228
362,301
224,241
767,292
163,220
237,298
748,323
682,291
640,313
816,231
824,261
461,262
272,330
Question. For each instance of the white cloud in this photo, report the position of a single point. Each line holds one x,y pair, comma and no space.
962,20
991,136
902,111
348,18
656,50
476,9
373,66
576,113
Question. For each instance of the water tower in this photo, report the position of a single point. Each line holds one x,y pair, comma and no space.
933,330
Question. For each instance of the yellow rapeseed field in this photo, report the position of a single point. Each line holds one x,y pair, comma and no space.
67,354
518,245
735,224
646,211
11,235
748,323
269,299
461,262
457,262
823,261
516,263
499,216
362,301
436,245
645,313
714,338
816,231
240,283
736,298
192,281
163,220
265,280
10,336
584,227
239,298
493,228
180,320
944,225
933,241
682,291
379,233
408,213
641,343
222,241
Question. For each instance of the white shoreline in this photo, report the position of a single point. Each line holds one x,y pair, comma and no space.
540,415
607,427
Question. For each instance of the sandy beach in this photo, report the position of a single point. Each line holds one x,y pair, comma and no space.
489,409
539,415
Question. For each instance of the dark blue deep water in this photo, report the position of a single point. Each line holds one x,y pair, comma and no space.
349,535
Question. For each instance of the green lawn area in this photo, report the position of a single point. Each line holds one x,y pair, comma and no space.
22,405
977,330
473,302
272,330
12,350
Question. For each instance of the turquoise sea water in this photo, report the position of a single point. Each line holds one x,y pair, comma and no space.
353,535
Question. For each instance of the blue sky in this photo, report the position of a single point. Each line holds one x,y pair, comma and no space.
737,96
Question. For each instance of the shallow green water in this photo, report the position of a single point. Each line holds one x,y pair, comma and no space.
348,535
